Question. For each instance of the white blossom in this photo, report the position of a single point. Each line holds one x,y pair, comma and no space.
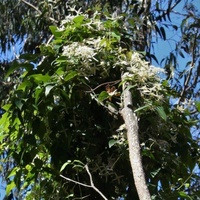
77,50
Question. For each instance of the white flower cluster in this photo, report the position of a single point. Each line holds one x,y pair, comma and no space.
146,75
79,51
93,23
142,69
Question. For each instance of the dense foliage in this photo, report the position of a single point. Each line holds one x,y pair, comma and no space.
62,115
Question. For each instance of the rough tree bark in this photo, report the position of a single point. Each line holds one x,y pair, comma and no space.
131,123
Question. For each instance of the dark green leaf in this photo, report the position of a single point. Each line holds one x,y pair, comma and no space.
14,66
154,57
29,57
162,30
181,54
157,30
19,103
112,143
103,96
70,75
162,113
175,27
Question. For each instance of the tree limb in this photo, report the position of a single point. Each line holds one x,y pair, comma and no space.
131,123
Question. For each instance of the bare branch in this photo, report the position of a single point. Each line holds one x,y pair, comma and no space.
92,183
85,185
71,180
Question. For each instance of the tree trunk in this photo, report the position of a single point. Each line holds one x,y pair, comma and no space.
131,123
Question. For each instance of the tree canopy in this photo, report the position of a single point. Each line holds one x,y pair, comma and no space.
82,83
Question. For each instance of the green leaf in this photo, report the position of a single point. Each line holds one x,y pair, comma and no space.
48,88
114,35
9,187
154,57
40,78
184,195
78,164
143,107
19,103
14,66
38,93
4,123
70,75
13,172
7,107
79,19
55,31
60,71
181,54
162,30
111,143
197,104
161,112
61,59
157,30
154,173
103,96
24,85
65,165
29,57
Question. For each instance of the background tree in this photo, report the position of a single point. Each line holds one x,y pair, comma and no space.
66,110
